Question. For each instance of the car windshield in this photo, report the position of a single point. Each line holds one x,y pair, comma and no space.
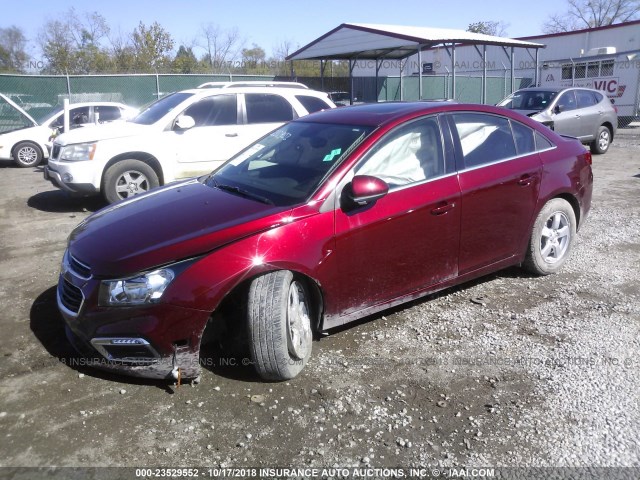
160,108
536,100
287,166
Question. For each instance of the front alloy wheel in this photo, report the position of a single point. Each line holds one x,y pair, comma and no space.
127,178
27,154
279,325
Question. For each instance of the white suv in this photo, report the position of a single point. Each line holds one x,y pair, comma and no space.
181,135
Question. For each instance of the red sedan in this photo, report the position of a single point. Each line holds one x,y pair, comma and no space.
328,219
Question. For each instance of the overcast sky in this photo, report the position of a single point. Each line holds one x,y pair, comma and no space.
270,23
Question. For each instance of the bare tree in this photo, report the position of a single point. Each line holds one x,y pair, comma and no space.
489,27
221,46
72,43
284,48
123,56
592,13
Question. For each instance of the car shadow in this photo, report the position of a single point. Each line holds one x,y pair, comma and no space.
231,363
57,201
8,164
48,327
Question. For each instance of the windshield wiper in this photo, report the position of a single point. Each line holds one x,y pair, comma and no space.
244,193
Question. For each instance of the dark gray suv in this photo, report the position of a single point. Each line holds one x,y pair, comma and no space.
583,113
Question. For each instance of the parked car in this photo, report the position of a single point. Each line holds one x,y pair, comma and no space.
329,218
28,142
583,113
181,135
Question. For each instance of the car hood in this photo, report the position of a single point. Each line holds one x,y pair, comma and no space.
8,103
106,131
166,225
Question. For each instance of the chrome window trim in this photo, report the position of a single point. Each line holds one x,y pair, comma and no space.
508,159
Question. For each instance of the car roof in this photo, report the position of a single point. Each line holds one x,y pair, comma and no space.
205,92
552,89
378,114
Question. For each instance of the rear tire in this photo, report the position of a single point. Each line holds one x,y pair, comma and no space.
603,139
279,325
128,178
552,238
27,154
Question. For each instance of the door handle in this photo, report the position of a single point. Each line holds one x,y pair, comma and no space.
525,180
230,134
441,210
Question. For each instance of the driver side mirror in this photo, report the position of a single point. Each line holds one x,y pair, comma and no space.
184,122
366,189
557,109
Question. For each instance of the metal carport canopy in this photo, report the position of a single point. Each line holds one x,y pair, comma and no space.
360,41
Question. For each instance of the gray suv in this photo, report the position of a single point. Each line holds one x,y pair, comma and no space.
583,113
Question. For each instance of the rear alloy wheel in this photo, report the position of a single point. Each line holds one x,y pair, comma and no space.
279,325
27,154
603,139
551,238
128,178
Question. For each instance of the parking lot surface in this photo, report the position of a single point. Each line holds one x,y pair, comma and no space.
509,370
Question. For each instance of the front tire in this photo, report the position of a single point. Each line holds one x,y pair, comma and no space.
128,178
603,139
27,154
552,238
279,325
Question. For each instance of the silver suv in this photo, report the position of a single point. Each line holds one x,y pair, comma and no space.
583,113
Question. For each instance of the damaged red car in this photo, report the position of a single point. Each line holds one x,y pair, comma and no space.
328,219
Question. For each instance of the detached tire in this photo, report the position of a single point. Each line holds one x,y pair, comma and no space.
128,178
603,139
27,154
279,325
552,238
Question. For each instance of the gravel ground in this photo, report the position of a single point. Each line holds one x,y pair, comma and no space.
509,370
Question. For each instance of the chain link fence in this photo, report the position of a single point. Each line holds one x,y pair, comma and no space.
40,95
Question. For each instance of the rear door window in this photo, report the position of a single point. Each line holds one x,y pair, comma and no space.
585,98
524,138
214,111
483,138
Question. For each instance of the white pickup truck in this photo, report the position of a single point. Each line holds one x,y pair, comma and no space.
181,135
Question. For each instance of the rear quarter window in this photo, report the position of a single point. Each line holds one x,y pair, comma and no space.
542,143
312,104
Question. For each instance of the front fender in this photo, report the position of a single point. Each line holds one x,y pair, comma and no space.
304,246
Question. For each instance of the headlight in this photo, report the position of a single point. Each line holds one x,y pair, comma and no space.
143,289
78,152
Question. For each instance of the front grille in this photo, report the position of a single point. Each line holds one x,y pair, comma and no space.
70,296
82,270
56,152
